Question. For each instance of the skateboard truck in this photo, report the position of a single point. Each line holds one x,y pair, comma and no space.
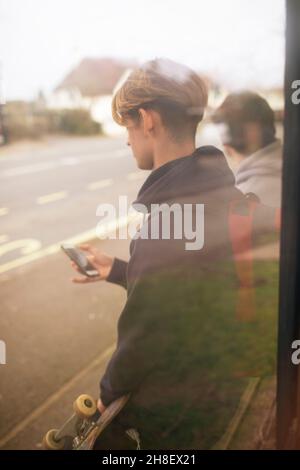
81,430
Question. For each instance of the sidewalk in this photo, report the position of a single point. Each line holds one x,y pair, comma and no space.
257,427
28,434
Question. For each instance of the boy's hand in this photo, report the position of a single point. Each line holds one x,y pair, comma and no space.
101,262
100,406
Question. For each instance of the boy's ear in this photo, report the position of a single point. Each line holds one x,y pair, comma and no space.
147,121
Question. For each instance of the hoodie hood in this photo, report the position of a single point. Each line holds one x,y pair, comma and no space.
203,171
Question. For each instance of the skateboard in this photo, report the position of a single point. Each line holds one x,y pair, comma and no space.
82,429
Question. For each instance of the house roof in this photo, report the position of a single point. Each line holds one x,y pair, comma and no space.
99,76
94,77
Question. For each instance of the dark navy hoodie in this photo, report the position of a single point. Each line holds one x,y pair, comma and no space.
179,310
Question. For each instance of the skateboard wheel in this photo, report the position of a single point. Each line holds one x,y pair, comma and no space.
85,406
50,443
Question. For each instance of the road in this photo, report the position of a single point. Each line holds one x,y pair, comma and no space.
58,335
52,193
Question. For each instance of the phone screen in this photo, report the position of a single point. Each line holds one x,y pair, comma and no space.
81,260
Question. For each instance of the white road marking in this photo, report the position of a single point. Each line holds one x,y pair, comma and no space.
70,161
100,184
3,211
26,245
56,247
55,397
4,238
51,197
27,169
65,161
90,158
136,175
112,226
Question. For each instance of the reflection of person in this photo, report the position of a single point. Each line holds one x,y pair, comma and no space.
249,138
177,348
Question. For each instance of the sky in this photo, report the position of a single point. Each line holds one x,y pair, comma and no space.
237,42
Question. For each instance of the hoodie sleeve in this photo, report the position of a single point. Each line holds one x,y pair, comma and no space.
142,325
118,273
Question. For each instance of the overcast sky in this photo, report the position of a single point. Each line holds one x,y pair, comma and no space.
238,41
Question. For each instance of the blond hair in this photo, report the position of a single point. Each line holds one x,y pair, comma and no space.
174,90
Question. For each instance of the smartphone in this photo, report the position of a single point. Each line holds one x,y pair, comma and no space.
80,260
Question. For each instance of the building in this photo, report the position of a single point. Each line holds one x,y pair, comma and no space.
90,85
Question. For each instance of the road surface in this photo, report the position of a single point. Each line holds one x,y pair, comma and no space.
58,335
